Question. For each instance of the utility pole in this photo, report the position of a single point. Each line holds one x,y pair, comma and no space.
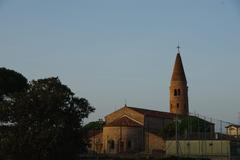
239,118
176,134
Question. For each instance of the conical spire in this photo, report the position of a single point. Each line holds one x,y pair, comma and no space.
178,88
178,71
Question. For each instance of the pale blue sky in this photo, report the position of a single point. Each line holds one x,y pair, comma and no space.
109,50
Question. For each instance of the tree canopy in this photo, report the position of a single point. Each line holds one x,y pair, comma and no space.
46,122
11,81
95,125
187,125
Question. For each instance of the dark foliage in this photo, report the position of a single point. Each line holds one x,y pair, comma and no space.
10,82
46,122
188,124
96,125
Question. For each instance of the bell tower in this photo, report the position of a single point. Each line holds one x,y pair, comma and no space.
178,88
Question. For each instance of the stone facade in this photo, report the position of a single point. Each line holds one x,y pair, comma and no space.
123,139
154,143
96,142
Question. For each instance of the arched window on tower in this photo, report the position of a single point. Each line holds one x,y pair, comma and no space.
178,92
175,92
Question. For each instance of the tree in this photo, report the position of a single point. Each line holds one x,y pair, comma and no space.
46,121
186,125
10,82
95,125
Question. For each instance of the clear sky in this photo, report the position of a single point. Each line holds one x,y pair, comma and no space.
111,50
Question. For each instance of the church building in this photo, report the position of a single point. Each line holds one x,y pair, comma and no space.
136,130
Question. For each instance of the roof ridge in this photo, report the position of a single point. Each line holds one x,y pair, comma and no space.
149,110
124,121
153,113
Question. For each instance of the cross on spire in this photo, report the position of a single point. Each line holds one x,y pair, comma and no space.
178,47
125,101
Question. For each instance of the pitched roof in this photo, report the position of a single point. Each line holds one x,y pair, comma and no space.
124,122
178,71
233,125
159,114
153,113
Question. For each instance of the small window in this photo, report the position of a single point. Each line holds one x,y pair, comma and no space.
175,92
111,144
121,146
177,105
179,92
98,141
129,144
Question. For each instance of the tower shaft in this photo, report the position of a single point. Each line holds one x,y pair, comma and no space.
178,89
